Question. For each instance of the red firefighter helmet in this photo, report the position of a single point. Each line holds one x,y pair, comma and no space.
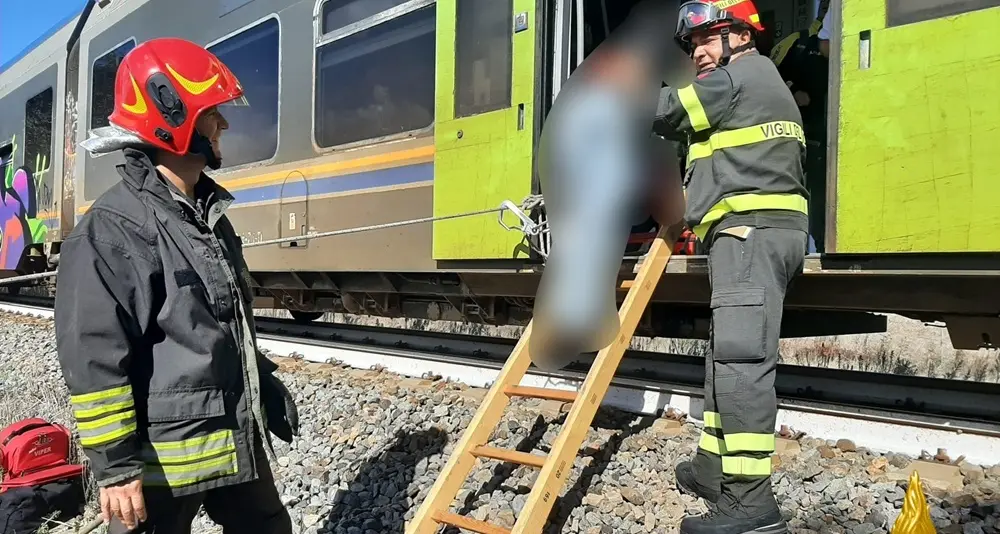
708,15
163,86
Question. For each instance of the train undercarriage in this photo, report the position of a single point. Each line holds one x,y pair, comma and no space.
834,296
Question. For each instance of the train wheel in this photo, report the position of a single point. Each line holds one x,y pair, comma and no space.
304,316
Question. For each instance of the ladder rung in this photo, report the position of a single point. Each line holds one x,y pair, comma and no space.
475,525
540,393
517,457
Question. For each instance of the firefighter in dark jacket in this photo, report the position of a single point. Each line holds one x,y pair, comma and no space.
746,201
153,315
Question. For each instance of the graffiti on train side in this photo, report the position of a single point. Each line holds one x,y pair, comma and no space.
19,225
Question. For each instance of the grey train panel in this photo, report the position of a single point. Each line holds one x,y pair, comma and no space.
172,19
400,249
287,123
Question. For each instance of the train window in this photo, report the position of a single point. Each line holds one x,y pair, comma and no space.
252,55
102,88
483,55
340,13
6,158
38,131
899,12
378,81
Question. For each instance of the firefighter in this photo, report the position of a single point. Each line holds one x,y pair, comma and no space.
805,68
747,203
154,325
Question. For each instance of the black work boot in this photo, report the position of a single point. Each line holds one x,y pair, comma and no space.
687,481
717,522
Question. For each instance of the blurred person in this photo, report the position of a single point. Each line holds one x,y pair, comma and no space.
595,171
154,325
747,203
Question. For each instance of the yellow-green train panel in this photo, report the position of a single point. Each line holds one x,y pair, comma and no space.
918,130
483,122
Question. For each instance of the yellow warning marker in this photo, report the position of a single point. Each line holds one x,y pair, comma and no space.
915,517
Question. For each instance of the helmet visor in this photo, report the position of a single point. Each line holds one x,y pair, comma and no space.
240,102
694,16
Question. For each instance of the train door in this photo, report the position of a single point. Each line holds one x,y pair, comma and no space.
484,124
915,167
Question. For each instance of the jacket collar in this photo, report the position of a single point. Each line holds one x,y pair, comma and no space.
140,174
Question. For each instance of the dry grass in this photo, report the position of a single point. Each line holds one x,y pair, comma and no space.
908,348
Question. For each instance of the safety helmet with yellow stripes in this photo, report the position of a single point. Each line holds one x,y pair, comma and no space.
161,88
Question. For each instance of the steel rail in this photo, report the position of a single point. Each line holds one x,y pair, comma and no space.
941,404
952,405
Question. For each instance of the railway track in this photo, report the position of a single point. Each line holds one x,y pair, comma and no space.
883,412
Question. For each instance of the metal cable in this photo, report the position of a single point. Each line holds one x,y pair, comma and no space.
531,202
28,277
370,228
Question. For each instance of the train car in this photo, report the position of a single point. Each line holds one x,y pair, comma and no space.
368,112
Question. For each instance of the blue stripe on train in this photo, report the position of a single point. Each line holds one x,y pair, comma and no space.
408,174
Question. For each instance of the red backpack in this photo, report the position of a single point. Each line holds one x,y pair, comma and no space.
35,452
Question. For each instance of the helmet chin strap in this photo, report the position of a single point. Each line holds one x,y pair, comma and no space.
200,145
727,51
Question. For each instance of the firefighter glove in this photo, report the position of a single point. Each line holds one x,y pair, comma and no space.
282,415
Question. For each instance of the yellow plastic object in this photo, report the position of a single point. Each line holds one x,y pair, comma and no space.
916,515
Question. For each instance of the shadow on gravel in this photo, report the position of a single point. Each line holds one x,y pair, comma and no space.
602,457
377,498
605,419
503,471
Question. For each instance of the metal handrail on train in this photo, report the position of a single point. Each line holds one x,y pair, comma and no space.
531,202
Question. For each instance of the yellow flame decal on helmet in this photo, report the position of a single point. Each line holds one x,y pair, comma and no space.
195,88
139,108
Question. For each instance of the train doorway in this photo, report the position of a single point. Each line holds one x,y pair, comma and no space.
785,22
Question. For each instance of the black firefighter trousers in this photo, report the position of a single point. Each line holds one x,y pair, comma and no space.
241,508
752,261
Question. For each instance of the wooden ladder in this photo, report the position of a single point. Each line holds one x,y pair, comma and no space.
555,467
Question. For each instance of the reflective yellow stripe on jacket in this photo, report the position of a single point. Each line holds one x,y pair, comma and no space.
190,461
745,136
750,202
692,105
104,416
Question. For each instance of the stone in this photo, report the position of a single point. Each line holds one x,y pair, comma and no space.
373,443
846,445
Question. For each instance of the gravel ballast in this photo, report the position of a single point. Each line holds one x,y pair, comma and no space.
372,444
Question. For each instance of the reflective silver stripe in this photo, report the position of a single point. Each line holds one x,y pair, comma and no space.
176,476
100,403
106,429
189,450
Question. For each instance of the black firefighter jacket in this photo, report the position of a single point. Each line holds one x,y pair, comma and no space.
745,143
158,354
